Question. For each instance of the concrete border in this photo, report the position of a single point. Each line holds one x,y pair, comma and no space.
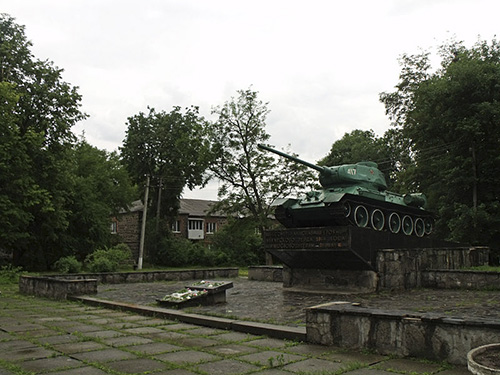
271,330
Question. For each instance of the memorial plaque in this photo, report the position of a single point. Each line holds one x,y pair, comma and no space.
307,238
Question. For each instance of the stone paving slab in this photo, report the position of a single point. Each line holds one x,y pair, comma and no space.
314,365
80,371
186,356
51,364
161,347
227,366
271,358
103,356
136,366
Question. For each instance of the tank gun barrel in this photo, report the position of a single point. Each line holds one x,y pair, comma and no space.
295,159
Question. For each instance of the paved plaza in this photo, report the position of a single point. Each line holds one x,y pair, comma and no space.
40,336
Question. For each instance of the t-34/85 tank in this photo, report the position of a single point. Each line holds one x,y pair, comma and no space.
354,194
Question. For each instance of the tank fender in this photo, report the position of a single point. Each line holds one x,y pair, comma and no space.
284,202
333,197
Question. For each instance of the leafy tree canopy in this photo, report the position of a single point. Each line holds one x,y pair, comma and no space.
56,196
172,148
251,179
449,120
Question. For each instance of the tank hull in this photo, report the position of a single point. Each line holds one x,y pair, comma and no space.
379,211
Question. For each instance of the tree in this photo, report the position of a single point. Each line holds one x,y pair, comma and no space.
101,188
38,110
251,179
172,148
449,119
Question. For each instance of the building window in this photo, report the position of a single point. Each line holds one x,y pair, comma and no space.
114,227
195,225
195,229
211,228
176,226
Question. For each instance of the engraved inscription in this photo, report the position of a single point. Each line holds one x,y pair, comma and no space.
307,238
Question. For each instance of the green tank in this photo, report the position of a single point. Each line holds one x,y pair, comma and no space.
354,194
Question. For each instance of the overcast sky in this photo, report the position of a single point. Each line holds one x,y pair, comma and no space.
320,64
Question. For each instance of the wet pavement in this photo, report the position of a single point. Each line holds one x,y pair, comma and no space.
270,302
40,336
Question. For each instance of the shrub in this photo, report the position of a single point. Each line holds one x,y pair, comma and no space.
68,264
108,260
10,274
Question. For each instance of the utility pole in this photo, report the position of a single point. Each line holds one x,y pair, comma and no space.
158,206
143,228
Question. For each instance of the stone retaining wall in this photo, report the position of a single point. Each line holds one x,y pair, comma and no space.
56,287
431,336
403,268
62,286
265,273
456,279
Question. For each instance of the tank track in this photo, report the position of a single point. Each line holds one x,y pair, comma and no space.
361,212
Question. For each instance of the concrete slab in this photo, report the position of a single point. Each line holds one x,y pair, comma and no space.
139,366
232,350
80,371
103,334
50,364
27,354
126,341
408,366
227,366
102,356
271,358
79,347
186,356
267,342
154,348
196,342
365,358
314,365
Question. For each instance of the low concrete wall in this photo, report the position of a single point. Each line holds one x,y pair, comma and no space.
403,268
265,273
62,286
152,276
431,336
323,279
457,279
56,287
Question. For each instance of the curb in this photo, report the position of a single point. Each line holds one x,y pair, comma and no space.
270,330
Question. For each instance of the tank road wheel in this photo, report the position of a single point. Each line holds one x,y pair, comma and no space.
394,222
378,220
361,216
419,227
347,209
407,225
429,225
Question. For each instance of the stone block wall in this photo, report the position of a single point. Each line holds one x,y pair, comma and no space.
265,273
402,268
56,287
62,286
325,279
431,336
456,279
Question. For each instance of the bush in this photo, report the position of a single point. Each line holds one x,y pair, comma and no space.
108,260
10,274
239,243
68,264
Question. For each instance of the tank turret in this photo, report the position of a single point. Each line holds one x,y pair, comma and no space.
353,194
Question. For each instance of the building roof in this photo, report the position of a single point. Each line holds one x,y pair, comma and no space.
191,207
197,207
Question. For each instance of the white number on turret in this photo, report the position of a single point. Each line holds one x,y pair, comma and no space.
351,171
